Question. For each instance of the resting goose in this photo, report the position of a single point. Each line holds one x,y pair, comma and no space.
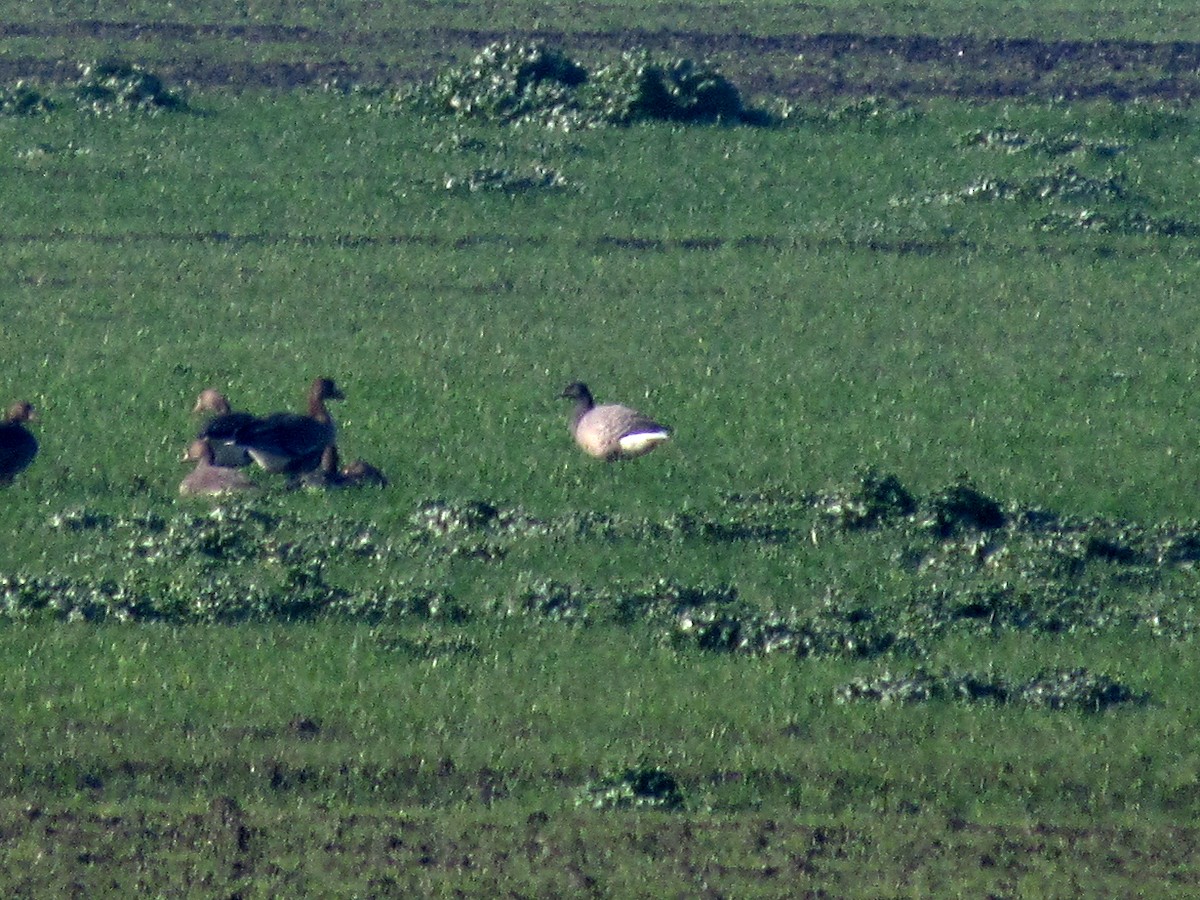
328,476
17,446
291,443
208,478
223,430
611,431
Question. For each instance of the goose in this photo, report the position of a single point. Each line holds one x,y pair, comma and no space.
17,446
223,429
208,478
611,431
291,443
328,476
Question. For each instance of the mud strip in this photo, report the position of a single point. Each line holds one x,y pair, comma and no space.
789,66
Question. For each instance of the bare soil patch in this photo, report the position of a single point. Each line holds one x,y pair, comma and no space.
795,66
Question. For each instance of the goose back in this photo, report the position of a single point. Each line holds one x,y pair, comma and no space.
291,443
224,430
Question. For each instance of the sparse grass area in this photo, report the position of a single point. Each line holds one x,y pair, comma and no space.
868,283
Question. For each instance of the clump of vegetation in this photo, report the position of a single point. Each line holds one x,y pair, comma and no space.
520,83
23,100
874,498
508,181
1117,222
112,86
1076,689
428,647
1009,141
641,786
1060,183
961,506
880,112
638,87
711,619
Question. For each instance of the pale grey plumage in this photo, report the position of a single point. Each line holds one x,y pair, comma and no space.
611,431
210,479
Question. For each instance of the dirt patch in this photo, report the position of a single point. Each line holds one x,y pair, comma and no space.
795,66
223,849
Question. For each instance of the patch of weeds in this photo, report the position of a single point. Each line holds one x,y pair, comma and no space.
23,100
111,86
470,529
1077,689
428,647
961,506
639,87
401,602
872,499
43,151
834,632
871,110
1117,222
535,178
80,518
1009,141
711,619
531,83
553,600
1060,183
646,787
446,518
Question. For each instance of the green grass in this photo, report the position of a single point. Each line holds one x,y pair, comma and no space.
796,302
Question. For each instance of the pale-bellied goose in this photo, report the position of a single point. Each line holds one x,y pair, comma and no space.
224,428
328,476
208,478
291,443
611,431
17,446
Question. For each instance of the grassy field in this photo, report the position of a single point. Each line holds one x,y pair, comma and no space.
453,684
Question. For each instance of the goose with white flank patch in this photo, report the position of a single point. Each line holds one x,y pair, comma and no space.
17,446
610,431
224,429
290,443
210,479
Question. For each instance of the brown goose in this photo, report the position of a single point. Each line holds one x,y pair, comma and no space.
224,428
210,479
328,476
611,431
17,446
292,443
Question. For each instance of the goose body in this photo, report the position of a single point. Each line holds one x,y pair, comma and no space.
17,446
224,429
208,478
611,431
290,443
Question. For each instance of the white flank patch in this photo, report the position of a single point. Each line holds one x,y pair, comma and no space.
642,442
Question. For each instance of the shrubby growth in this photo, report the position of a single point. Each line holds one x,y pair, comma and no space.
23,100
516,83
1076,689
112,86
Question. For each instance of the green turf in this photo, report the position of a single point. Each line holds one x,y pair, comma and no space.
797,302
